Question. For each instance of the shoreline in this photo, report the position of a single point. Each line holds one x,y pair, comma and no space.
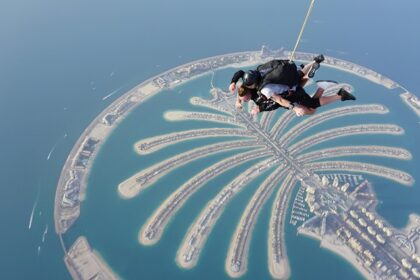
281,269
85,263
346,254
246,224
99,130
144,241
139,93
342,251
190,187
201,227
131,187
411,101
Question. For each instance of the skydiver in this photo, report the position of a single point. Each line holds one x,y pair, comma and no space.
277,71
280,81
297,100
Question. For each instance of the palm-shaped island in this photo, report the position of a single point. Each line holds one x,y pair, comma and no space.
276,149
282,162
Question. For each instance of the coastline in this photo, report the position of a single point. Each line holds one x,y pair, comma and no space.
157,222
97,129
84,263
278,264
184,244
141,180
326,242
198,232
411,101
241,239
138,94
346,254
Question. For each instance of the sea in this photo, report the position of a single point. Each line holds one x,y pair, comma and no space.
62,63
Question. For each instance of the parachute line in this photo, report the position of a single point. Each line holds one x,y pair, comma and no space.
301,30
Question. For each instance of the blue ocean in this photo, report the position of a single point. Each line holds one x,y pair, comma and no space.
61,59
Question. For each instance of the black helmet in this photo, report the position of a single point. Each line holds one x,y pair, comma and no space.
251,77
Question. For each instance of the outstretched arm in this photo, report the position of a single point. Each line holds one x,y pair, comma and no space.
238,75
298,109
255,110
238,103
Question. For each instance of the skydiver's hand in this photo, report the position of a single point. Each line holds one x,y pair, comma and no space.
255,111
299,110
232,87
238,105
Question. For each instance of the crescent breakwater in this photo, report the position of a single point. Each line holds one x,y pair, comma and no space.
72,183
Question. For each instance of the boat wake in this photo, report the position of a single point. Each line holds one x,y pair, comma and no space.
55,146
112,93
45,233
31,218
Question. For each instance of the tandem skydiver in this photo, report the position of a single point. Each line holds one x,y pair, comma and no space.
278,83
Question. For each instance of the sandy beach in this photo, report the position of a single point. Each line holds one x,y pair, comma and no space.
84,263
145,178
247,222
348,255
201,116
281,269
181,195
203,225
328,242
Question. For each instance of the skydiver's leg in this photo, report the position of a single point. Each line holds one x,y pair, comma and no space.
307,103
303,81
305,70
342,95
318,93
302,98
322,86
308,67
324,100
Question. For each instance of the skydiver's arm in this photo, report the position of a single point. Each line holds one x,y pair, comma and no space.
238,75
280,100
255,110
298,109
238,103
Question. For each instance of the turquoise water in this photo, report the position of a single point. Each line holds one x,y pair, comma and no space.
60,58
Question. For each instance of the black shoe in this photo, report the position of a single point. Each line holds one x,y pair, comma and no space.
319,58
345,95
314,67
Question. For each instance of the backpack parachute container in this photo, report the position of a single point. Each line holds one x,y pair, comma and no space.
280,71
